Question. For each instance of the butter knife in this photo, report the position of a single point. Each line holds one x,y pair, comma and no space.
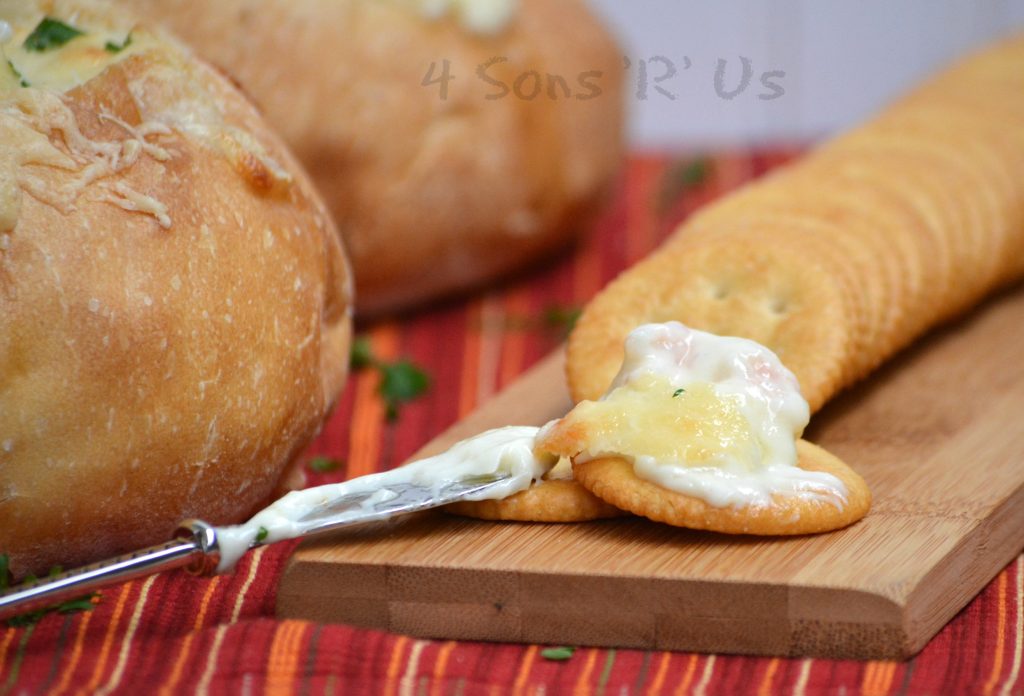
195,546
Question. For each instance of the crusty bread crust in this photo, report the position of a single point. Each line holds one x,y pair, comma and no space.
168,361
432,195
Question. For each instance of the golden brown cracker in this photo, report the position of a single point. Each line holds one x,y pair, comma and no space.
867,242
853,228
864,291
975,239
941,125
923,207
555,500
613,480
774,293
962,232
995,68
909,193
836,235
896,228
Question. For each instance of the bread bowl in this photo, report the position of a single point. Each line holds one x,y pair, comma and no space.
454,141
175,306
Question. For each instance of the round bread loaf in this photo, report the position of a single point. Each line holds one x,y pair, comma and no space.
174,302
453,141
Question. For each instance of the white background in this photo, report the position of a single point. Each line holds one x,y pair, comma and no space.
843,59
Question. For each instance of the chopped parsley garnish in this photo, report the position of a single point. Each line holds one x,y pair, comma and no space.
557,320
694,172
83,603
362,353
400,381
561,318
262,534
118,47
559,654
682,177
50,33
677,392
17,73
324,465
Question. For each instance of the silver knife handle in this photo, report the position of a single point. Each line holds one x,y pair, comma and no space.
194,547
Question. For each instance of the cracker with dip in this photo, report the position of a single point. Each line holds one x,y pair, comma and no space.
922,208
834,264
702,431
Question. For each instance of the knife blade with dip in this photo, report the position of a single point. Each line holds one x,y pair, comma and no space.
494,464
735,469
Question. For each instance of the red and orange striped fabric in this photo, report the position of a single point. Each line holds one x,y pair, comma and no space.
173,633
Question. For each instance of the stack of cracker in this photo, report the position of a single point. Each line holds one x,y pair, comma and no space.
834,263
840,259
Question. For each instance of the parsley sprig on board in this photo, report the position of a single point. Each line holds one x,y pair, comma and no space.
400,381
557,320
83,603
558,654
324,465
681,177
561,318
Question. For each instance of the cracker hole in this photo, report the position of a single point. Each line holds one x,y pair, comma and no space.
719,292
778,306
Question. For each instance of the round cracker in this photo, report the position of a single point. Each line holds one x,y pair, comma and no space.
926,191
777,294
555,500
839,237
861,228
959,165
964,216
613,480
904,229
970,111
942,125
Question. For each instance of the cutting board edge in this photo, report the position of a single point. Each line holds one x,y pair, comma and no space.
923,596
905,617
897,600
977,557
374,603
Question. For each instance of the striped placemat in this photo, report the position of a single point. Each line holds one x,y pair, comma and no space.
172,633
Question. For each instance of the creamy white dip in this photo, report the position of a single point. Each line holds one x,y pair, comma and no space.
501,451
744,465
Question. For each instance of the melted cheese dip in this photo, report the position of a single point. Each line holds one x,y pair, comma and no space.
713,417
506,451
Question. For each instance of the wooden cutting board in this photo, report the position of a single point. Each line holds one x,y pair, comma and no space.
937,434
